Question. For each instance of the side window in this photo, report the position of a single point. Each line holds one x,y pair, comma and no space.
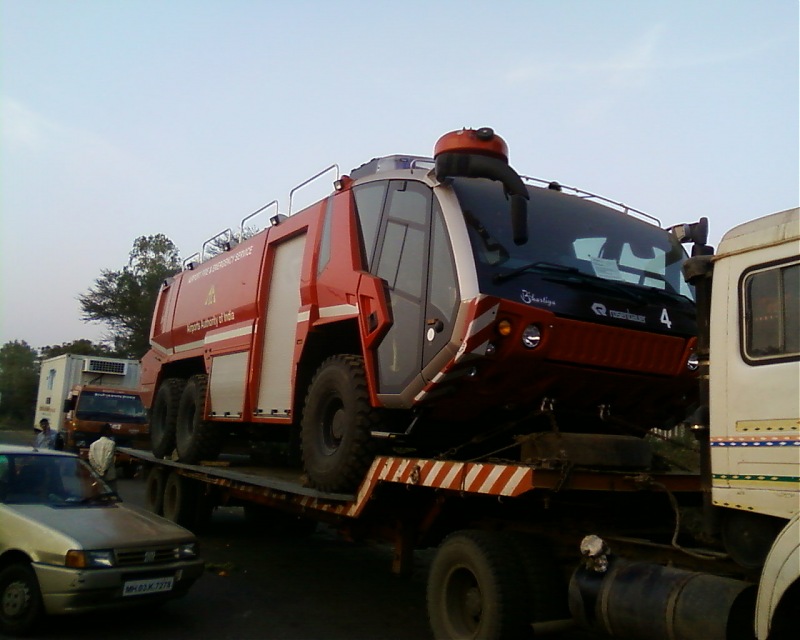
771,314
325,242
443,291
402,256
369,201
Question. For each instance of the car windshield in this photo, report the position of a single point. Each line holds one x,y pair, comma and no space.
569,234
110,407
51,480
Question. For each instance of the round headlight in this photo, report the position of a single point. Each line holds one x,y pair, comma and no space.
692,362
531,336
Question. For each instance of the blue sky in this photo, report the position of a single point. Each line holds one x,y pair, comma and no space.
127,118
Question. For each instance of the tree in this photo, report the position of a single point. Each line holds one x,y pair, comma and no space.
125,299
19,378
81,347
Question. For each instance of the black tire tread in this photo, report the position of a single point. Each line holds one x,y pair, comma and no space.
30,620
478,550
367,418
162,437
206,438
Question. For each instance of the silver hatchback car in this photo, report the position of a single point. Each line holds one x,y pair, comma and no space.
68,544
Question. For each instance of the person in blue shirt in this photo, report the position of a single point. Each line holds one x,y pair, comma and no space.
46,438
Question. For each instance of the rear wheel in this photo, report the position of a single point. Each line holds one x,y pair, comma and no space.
164,416
21,606
196,439
154,490
337,422
476,588
180,500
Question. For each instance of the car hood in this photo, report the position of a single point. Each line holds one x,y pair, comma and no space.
98,527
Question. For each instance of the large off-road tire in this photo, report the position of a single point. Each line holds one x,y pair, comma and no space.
164,416
21,607
337,446
196,439
476,589
154,490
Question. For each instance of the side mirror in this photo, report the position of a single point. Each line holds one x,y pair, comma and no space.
696,232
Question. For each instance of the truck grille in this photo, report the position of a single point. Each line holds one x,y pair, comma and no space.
146,555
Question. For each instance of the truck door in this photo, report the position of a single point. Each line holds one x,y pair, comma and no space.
413,256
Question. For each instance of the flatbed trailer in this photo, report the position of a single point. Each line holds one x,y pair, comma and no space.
523,523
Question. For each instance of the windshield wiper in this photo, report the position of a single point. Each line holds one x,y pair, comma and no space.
539,265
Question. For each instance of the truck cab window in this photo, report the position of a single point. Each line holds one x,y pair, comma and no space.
772,314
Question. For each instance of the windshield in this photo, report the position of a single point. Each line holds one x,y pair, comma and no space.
110,407
51,480
568,233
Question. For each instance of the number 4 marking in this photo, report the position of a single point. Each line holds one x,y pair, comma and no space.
665,318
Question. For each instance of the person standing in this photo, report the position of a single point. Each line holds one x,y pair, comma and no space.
45,438
102,455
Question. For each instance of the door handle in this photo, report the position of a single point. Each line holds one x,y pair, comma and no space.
436,324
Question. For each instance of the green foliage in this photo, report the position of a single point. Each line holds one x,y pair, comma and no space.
19,378
82,347
125,299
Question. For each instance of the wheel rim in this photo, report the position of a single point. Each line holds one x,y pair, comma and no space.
464,601
15,599
334,424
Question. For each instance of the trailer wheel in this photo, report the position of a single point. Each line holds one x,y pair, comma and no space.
196,439
164,416
337,446
180,500
476,588
154,490
21,607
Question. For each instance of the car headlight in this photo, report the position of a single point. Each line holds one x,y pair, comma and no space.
693,362
90,559
188,550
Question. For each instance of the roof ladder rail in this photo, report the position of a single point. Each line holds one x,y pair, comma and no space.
255,213
225,245
311,179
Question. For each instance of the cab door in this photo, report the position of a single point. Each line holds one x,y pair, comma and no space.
412,256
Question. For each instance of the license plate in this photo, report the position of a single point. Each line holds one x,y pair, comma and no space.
144,587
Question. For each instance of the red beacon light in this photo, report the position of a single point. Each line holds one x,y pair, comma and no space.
482,141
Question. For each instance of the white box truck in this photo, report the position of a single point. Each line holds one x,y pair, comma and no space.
79,394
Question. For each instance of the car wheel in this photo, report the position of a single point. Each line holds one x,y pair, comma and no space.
21,606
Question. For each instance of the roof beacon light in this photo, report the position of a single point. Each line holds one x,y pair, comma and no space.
480,153
483,141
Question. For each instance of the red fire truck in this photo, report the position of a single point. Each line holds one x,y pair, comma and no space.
423,300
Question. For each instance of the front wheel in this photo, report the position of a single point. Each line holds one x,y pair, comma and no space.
476,589
21,607
337,422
